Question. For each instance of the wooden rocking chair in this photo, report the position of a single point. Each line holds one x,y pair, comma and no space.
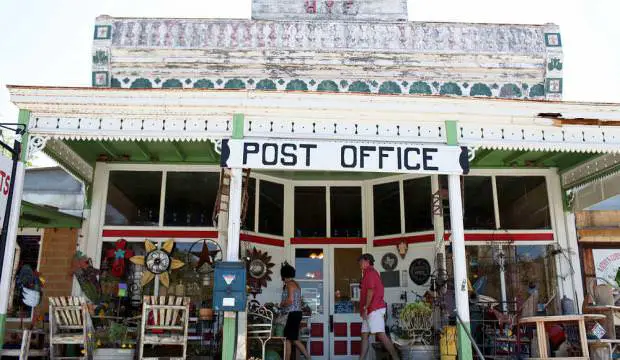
70,324
164,322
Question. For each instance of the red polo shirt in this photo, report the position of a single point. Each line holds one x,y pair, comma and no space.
372,280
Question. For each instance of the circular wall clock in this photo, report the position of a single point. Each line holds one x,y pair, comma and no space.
157,261
389,261
420,271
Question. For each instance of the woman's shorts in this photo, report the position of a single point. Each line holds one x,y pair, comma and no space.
291,329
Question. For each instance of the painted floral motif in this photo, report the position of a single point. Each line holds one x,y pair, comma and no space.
420,87
234,84
204,84
266,84
172,84
141,83
389,87
510,91
359,87
450,88
537,90
297,85
555,64
328,85
480,89
100,58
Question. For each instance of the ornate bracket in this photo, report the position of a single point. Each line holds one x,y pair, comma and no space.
472,152
36,143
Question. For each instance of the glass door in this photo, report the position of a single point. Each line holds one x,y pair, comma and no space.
312,274
344,292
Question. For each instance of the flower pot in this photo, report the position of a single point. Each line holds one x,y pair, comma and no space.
205,314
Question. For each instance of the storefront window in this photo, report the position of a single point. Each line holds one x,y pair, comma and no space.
250,212
417,193
310,211
347,277
523,202
309,275
117,273
530,266
133,198
386,202
479,208
190,198
197,284
346,211
271,208
28,258
483,270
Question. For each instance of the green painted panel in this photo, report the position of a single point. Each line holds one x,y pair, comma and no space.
450,88
297,85
537,90
480,89
141,83
510,91
389,87
234,84
328,85
359,87
266,84
115,83
420,87
204,84
172,84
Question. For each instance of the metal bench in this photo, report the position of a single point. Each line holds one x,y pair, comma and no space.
260,327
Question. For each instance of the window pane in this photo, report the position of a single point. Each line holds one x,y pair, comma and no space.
249,222
271,208
128,273
190,198
187,281
29,247
346,211
309,275
133,198
479,207
386,201
310,211
523,202
418,212
483,272
530,266
346,273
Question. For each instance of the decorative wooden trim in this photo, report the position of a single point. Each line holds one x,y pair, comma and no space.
327,241
161,233
470,236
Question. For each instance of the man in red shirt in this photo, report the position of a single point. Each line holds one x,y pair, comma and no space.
372,307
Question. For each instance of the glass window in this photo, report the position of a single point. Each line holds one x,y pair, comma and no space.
188,281
271,208
529,267
27,256
248,223
418,212
190,198
309,275
345,211
347,275
523,202
386,206
483,271
115,271
310,211
133,198
479,208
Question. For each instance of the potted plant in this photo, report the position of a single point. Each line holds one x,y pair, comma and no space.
416,334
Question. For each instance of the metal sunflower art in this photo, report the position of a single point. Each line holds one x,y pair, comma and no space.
158,262
259,268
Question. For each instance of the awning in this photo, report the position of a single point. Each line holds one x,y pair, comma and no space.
40,216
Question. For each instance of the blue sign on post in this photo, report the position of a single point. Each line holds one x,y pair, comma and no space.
229,286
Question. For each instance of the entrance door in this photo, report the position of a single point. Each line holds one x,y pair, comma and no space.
312,274
329,276
346,323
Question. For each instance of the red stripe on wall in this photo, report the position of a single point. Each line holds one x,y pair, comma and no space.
261,240
328,241
542,236
161,233
413,239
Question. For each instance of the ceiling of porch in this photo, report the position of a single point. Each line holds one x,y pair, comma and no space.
203,152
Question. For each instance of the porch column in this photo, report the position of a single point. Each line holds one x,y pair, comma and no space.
14,202
460,265
232,251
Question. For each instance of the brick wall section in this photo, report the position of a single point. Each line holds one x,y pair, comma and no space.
59,245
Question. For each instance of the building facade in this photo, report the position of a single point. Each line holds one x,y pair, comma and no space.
170,96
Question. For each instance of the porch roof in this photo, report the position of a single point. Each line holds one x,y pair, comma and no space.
83,125
39,216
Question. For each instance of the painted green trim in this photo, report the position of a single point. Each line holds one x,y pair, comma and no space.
594,176
230,334
451,132
88,199
24,118
37,216
237,130
108,149
178,151
463,344
514,157
2,329
481,155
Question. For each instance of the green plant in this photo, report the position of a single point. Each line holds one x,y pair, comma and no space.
418,308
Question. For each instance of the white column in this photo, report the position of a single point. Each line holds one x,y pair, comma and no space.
460,263
573,254
11,239
438,224
234,214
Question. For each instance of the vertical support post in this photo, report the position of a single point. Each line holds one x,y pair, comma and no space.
460,264
232,246
438,225
458,251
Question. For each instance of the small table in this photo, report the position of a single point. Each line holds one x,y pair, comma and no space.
541,334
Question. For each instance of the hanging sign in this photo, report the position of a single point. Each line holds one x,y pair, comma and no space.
606,264
296,154
6,165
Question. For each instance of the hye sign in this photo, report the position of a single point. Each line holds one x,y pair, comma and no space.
344,156
6,165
